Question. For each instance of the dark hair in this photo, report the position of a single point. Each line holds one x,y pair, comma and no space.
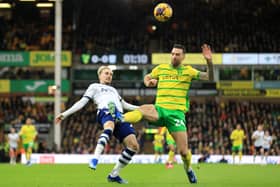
180,46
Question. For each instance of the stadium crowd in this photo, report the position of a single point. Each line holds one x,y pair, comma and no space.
17,73
210,124
244,73
25,35
216,22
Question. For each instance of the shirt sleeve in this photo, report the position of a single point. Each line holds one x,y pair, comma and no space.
90,92
128,106
154,74
77,106
194,73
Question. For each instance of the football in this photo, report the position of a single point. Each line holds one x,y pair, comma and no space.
163,12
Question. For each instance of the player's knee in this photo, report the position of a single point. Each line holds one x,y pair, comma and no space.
183,152
134,146
172,148
146,108
149,112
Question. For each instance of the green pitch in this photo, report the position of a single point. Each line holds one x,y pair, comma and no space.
209,175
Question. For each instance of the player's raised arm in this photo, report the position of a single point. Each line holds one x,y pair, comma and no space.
77,106
207,53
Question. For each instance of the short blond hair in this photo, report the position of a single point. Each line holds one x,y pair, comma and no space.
101,68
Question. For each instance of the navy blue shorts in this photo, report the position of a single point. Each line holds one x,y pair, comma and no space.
122,129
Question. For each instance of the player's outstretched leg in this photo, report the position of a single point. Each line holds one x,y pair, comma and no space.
181,140
101,143
123,161
187,166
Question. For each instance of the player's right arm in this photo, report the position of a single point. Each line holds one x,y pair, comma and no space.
78,105
151,79
232,136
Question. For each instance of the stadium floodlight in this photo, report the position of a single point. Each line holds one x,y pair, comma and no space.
44,5
5,5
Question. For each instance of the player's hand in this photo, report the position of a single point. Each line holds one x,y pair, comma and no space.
59,118
207,53
152,83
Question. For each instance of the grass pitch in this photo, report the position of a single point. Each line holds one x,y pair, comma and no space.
153,175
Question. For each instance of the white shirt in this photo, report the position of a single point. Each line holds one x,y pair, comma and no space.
267,140
101,95
13,139
258,136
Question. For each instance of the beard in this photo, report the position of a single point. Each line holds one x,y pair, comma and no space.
176,63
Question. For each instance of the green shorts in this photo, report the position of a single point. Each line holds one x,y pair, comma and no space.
158,149
236,148
27,145
174,120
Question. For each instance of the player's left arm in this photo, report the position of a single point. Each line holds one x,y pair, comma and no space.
207,54
35,134
128,106
244,136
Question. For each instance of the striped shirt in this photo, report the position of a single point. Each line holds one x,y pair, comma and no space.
173,86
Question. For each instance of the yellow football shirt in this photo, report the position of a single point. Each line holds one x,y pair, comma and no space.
237,137
173,85
165,132
28,133
158,140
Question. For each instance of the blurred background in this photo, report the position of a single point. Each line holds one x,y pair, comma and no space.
244,36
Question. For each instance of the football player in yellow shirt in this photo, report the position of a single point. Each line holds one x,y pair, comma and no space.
158,146
173,83
28,134
237,136
171,147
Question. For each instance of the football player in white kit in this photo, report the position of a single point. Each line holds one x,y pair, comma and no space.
110,108
267,141
258,142
13,139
